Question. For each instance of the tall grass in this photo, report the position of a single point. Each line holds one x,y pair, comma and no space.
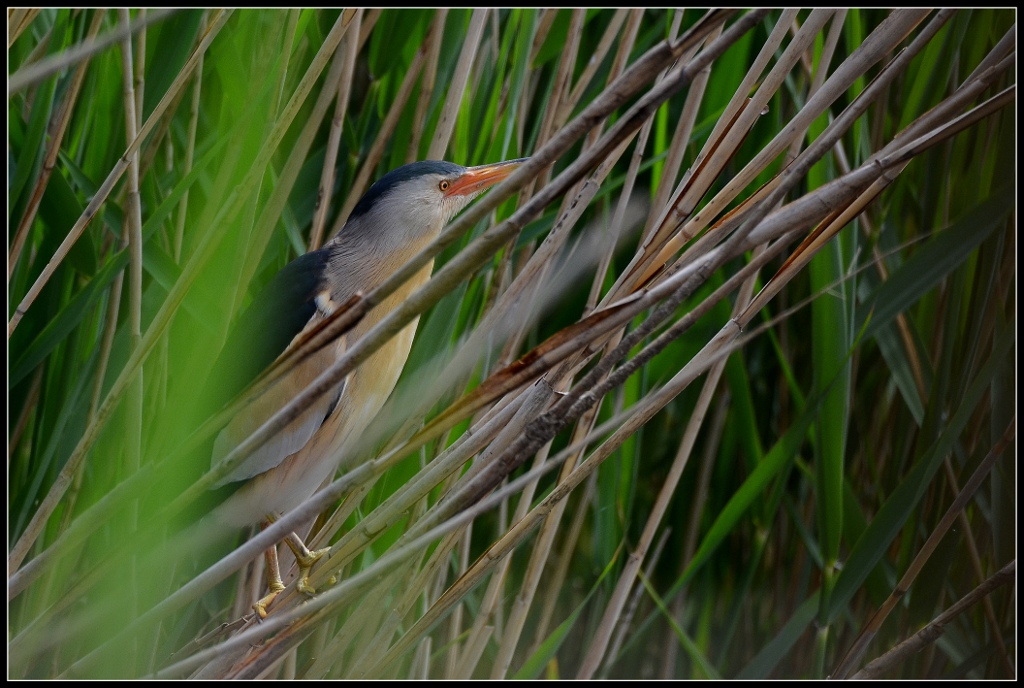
720,384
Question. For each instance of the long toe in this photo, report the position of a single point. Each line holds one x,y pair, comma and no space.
304,587
307,559
261,606
305,566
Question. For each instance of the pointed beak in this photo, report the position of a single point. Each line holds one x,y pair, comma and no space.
476,179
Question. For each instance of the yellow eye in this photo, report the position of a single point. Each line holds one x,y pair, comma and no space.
444,185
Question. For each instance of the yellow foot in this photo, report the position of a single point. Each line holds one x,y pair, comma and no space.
261,606
305,561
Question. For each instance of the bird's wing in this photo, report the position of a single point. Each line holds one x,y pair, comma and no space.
297,433
291,304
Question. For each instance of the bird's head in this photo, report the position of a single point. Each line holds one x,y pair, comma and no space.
415,201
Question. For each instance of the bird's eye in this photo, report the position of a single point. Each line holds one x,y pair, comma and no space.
444,185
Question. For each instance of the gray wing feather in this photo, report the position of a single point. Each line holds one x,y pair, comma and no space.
296,434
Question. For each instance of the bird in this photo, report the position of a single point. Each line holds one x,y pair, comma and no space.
399,214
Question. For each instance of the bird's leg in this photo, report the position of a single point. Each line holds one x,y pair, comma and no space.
305,559
274,582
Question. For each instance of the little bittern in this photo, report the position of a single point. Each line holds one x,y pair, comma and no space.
399,215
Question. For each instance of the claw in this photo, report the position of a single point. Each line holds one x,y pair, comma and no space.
305,561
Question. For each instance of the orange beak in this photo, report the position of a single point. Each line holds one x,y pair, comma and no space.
476,179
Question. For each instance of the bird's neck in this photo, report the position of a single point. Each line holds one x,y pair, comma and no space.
360,265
